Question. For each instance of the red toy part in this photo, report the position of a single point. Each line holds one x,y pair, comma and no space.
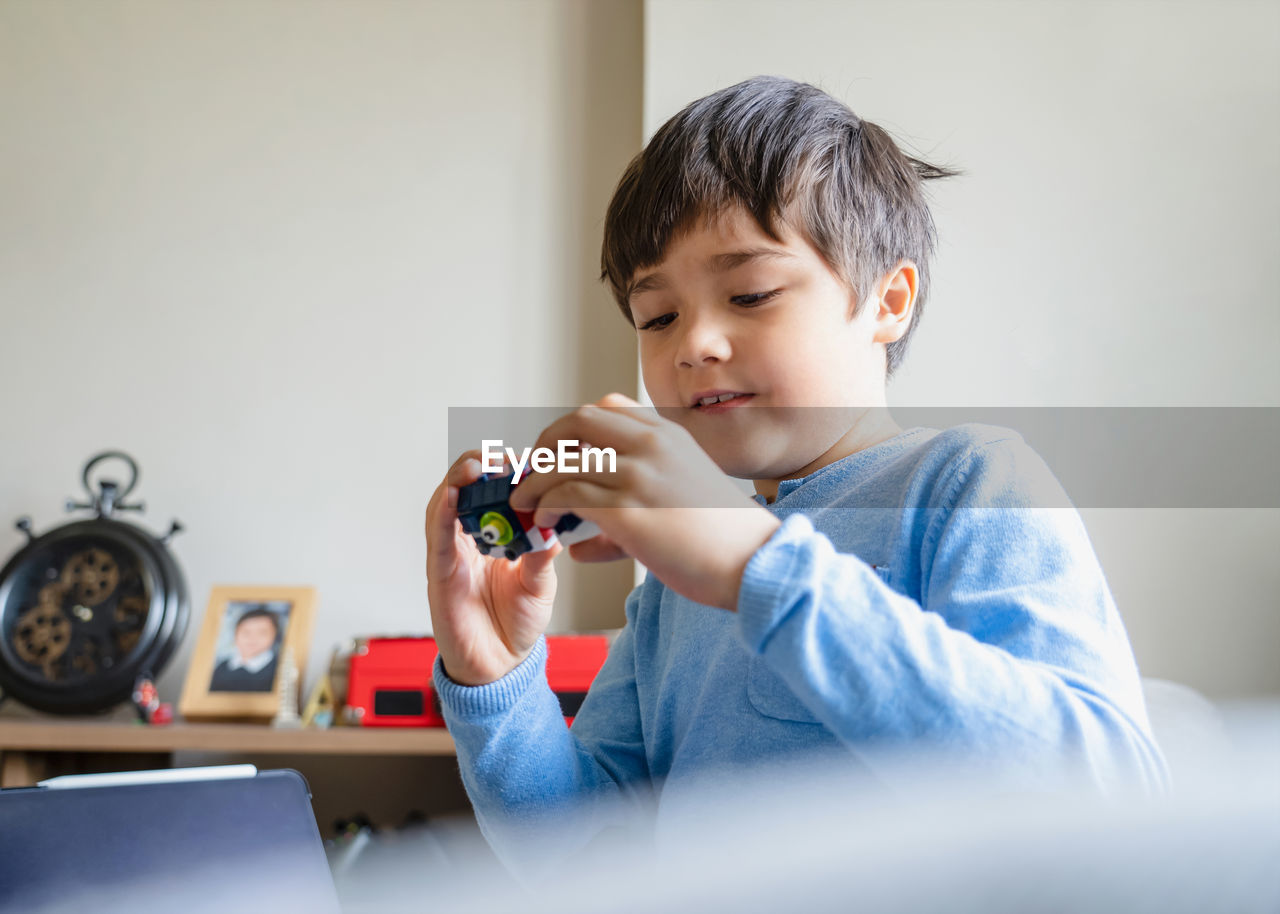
389,683
389,679
540,538
572,664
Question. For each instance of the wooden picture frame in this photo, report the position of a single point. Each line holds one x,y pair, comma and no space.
222,683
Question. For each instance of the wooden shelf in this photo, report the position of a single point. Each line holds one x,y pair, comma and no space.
87,735
347,759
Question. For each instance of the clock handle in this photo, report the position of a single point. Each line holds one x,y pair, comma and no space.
109,498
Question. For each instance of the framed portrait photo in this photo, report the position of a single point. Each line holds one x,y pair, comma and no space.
235,669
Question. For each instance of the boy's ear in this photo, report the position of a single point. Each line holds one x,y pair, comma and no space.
897,301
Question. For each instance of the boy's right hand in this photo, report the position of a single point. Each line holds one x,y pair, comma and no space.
486,613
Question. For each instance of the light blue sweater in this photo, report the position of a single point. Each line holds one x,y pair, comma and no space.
935,591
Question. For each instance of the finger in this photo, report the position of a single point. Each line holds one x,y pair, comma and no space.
442,518
582,497
612,436
442,514
597,549
646,415
466,469
531,492
616,427
616,399
621,402
435,506
535,567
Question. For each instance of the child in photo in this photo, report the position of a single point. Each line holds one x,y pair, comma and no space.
251,665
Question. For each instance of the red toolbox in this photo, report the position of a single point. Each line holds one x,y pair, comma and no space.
572,664
389,683
389,679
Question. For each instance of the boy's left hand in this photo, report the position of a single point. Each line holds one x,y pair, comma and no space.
667,505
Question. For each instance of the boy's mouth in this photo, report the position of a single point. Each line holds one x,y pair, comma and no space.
718,400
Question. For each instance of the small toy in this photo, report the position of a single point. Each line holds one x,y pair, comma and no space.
146,699
287,695
485,512
319,710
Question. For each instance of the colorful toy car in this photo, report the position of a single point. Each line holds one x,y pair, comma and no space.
486,513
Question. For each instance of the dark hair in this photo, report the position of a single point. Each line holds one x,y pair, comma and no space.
260,612
783,150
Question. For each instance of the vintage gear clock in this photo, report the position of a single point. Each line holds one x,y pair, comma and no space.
89,606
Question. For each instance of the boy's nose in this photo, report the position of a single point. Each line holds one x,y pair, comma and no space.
702,342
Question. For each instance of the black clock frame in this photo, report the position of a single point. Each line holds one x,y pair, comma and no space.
168,612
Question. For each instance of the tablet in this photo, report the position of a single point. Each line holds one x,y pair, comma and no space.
219,844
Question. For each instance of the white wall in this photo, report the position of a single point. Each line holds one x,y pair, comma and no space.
253,244
1113,242
263,247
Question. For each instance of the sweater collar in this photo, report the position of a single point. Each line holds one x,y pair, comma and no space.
856,463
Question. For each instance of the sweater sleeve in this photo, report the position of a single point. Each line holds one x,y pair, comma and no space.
540,789
1013,655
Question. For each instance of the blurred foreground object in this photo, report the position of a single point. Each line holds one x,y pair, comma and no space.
811,839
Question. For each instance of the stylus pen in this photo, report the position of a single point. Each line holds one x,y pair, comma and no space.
165,775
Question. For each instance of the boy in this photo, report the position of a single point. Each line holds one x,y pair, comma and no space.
888,588
252,668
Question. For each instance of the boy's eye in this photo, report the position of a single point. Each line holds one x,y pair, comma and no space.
658,322
750,300
754,298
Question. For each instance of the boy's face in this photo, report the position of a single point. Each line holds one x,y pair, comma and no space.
253,636
730,310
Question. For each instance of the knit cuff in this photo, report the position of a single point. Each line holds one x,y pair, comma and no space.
767,582
496,697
